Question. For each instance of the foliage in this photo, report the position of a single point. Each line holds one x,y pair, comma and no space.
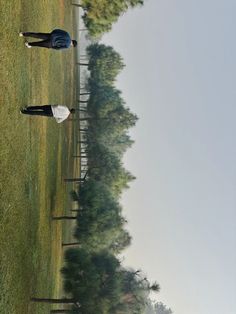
99,15
100,222
157,308
104,64
101,285
161,308
120,242
105,166
91,279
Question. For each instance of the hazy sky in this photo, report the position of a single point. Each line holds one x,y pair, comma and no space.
180,79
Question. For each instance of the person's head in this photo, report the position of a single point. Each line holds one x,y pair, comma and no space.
72,110
74,43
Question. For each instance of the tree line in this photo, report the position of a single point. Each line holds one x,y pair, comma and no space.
94,279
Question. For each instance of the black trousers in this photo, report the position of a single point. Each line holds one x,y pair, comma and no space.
45,111
45,43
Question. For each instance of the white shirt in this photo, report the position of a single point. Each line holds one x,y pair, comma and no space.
60,113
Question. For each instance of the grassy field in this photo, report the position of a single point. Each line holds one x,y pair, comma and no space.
33,154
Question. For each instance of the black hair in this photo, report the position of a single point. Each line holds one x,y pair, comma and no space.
74,42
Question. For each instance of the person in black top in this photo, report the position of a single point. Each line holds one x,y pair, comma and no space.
57,39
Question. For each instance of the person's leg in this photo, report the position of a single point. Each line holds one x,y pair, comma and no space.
44,44
47,109
37,35
36,107
36,113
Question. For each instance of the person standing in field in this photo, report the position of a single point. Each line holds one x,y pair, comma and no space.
58,39
59,112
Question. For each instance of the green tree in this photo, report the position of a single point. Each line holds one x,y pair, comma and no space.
157,308
104,64
91,279
108,169
101,285
94,194
100,15
101,228
120,242
103,99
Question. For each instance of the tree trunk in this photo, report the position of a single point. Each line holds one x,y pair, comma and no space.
70,244
54,301
64,217
77,179
83,64
83,142
83,101
77,5
74,180
60,311
80,156
84,119
90,118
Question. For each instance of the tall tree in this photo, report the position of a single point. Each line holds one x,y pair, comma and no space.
104,64
100,15
92,279
100,225
102,285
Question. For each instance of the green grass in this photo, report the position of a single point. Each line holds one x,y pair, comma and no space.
33,154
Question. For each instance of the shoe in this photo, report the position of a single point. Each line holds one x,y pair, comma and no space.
28,45
23,109
21,34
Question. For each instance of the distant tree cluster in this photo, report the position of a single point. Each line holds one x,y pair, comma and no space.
99,15
101,224
95,280
93,274
102,285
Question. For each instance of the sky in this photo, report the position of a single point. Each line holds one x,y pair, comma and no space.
180,80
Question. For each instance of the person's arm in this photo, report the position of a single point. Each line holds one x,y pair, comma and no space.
60,48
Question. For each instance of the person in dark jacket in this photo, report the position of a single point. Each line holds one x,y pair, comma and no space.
57,39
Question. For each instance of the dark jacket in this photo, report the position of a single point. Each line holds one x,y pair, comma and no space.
60,39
